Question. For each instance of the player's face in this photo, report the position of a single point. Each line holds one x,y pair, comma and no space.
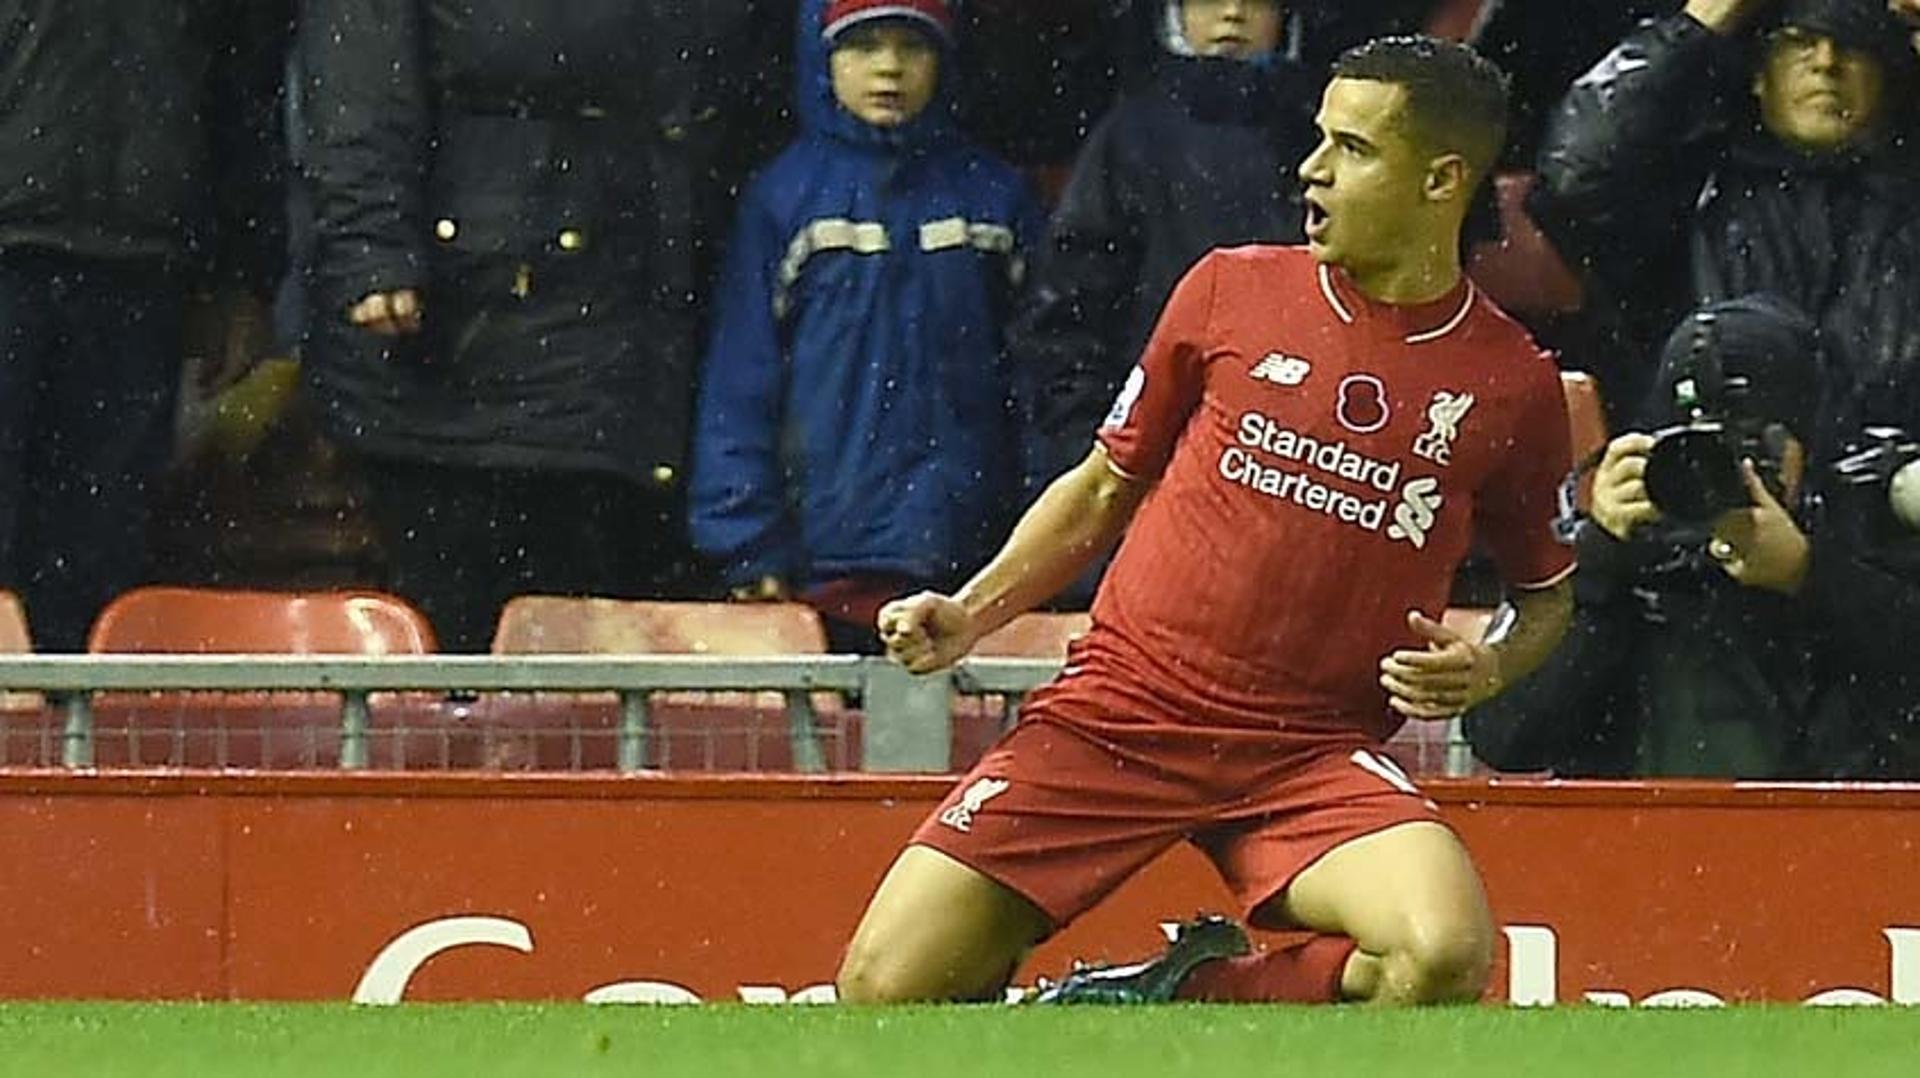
885,73
1817,94
1367,180
1237,29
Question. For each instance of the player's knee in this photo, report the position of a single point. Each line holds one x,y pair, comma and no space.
1451,966
867,976
1441,964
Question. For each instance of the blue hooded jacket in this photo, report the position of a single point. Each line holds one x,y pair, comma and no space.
856,413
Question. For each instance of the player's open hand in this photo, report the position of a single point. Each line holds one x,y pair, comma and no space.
926,632
1448,676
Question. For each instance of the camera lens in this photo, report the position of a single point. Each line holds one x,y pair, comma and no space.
1693,475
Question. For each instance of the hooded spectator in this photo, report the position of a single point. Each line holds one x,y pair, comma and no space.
857,432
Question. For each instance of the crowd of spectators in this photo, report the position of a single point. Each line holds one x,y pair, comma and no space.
765,300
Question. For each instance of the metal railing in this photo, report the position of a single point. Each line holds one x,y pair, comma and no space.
907,728
907,724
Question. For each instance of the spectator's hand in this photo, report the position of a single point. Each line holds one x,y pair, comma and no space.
227,333
1727,16
1761,547
767,589
388,314
1451,675
1620,501
926,632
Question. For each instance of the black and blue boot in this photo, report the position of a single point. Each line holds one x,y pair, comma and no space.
1155,980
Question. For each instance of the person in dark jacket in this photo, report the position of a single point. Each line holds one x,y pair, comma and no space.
1769,643
513,202
857,433
1699,161
139,198
1201,157
1543,45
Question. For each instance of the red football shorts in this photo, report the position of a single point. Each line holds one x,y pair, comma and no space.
1078,797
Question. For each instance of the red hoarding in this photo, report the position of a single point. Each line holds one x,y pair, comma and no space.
328,886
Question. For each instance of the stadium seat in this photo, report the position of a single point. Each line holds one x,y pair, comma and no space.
688,731
1586,413
1453,19
14,637
1040,635
556,625
1586,425
214,621
1521,270
31,732
268,730
978,721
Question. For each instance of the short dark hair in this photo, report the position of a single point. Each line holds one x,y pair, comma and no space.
1456,98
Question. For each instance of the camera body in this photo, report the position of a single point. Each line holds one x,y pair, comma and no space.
1885,463
1694,470
1694,474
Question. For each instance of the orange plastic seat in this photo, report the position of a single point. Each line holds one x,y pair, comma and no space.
1586,413
1586,425
978,721
1453,19
1522,271
14,637
251,730
31,733
1039,635
717,731
556,625
216,621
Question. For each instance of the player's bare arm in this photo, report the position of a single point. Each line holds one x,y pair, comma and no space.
1453,673
1078,518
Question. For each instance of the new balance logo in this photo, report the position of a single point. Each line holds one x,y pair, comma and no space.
959,815
1282,369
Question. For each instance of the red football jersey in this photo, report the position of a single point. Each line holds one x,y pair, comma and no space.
1323,462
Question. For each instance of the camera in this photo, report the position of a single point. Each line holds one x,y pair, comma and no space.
1694,469
1694,474
1885,461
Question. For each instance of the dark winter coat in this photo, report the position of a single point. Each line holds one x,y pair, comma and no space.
1543,47
1656,180
1203,157
856,413
1672,669
145,130
549,176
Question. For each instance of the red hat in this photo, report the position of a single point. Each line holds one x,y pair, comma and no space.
934,15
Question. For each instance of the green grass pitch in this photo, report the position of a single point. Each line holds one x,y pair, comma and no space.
102,1040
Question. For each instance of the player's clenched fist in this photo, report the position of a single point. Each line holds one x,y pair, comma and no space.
926,632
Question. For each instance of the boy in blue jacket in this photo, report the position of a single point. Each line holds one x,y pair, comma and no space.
857,436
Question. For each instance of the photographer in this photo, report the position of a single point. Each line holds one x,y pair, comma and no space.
1742,146
1740,604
